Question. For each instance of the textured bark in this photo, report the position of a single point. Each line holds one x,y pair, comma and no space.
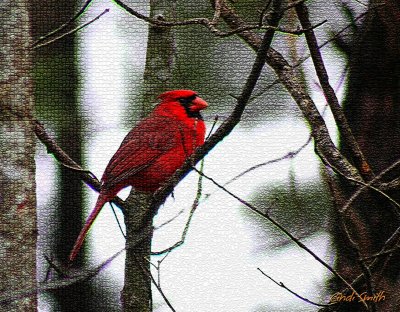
136,295
158,77
160,54
17,150
373,110
56,90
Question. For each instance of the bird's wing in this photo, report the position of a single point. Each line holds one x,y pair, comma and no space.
143,145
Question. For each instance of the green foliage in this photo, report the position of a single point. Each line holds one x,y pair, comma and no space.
300,206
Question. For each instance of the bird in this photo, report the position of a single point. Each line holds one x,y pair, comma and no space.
152,151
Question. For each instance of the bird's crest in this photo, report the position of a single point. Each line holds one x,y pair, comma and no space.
176,94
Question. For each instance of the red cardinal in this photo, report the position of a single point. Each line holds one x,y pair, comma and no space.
152,151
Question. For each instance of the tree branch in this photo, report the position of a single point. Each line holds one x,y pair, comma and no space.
67,161
227,126
285,231
65,25
341,120
280,284
288,78
39,43
12,295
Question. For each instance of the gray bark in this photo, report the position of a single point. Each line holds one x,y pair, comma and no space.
136,295
158,76
17,150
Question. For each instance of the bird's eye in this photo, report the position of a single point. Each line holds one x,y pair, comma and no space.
188,100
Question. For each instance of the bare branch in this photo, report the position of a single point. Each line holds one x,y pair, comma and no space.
65,25
170,220
116,219
369,185
288,77
71,32
289,155
352,243
280,284
228,125
65,160
11,295
341,120
209,24
283,230
192,211
158,286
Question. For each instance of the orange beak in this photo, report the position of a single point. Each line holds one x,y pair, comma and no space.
198,104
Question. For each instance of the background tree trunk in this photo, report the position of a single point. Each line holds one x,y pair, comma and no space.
160,55
17,150
373,111
58,105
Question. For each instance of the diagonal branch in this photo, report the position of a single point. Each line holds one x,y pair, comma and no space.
229,124
66,160
12,295
285,231
288,77
40,44
65,25
341,120
280,284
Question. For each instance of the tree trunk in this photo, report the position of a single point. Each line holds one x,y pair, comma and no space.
160,57
56,89
373,110
160,54
136,295
17,150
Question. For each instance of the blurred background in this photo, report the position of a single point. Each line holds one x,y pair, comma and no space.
88,91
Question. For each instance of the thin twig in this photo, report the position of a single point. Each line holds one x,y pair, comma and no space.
212,127
378,261
280,284
53,266
209,24
289,155
71,32
170,220
65,25
381,253
369,184
191,214
116,219
352,243
79,169
8,296
159,289
283,230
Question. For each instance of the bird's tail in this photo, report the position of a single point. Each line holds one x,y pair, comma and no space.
101,200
